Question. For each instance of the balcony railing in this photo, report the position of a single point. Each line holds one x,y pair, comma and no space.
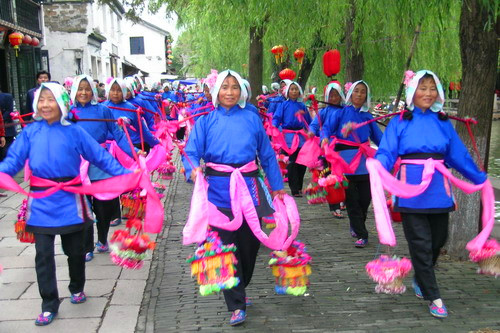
6,11
27,12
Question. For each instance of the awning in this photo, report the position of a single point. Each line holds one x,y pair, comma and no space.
131,69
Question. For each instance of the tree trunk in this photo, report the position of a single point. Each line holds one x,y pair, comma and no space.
354,67
310,59
479,52
255,61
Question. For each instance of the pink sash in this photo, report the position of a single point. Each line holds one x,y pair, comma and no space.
309,153
279,139
116,185
204,213
339,165
381,179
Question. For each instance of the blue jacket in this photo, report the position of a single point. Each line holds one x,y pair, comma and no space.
6,107
426,133
134,135
334,123
234,136
285,117
54,151
314,125
274,102
147,116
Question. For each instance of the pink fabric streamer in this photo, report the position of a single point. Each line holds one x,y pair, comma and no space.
309,153
117,185
204,213
381,179
157,155
339,166
279,139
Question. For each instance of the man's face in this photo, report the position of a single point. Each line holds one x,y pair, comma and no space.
42,78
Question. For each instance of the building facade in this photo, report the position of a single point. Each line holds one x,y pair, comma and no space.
84,37
18,71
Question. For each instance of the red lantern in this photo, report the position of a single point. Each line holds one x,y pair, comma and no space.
35,41
169,51
27,39
169,62
331,62
15,39
299,55
452,86
287,74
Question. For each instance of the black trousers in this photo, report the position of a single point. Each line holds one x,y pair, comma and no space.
247,247
3,150
45,267
180,133
105,211
357,201
147,147
295,173
426,235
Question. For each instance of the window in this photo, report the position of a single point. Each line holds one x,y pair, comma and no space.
136,45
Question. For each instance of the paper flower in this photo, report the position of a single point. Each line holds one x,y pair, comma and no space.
408,76
389,273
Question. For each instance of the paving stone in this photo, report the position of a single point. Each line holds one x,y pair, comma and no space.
128,292
93,288
13,290
18,275
86,325
120,318
10,251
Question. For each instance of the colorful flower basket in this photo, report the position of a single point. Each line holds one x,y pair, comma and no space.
166,170
214,265
133,204
20,225
291,269
283,161
389,273
395,216
129,246
315,194
335,188
488,258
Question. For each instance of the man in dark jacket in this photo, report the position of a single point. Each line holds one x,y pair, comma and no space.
42,76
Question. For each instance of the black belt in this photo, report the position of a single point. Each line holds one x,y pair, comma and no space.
293,128
422,156
57,180
341,146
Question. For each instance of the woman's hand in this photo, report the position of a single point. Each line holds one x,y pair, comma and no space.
310,135
279,193
2,141
194,173
324,142
141,152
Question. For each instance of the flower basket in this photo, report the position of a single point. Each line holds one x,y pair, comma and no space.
291,270
20,225
395,216
269,222
133,205
213,264
334,186
488,258
283,161
315,194
166,170
389,273
128,247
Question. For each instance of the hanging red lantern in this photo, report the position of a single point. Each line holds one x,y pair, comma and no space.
35,41
169,62
287,74
169,51
16,39
299,55
27,39
169,46
331,62
274,51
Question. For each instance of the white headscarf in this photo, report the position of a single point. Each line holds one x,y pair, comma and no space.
366,106
287,88
138,78
220,79
412,87
129,84
265,90
248,87
76,85
61,96
275,86
122,85
336,86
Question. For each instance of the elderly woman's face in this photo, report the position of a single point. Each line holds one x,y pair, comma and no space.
47,106
84,92
116,93
229,93
207,93
293,92
334,97
358,96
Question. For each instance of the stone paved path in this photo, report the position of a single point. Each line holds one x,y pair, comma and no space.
341,297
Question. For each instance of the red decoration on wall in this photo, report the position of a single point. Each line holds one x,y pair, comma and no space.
331,62
35,41
27,39
15,39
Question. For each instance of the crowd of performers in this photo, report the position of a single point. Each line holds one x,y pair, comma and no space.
245,153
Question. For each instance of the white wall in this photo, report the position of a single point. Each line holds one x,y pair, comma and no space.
153,60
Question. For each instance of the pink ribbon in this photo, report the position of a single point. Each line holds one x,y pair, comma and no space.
309,153
339,165
156,156
279,139
116,185
204,213
381,179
